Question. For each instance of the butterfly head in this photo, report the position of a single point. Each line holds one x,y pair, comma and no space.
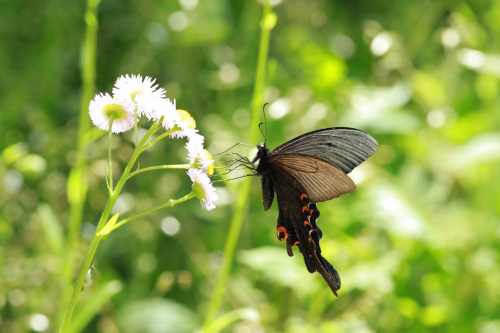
262,152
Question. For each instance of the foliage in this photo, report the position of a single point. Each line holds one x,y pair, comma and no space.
416,245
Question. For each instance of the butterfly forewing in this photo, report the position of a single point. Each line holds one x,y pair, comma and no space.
344,147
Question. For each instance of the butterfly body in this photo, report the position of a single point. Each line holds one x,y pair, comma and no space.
302,172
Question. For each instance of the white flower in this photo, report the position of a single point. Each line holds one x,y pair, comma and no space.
164,107
199,156
103,109
196,139
186,125
194,146
134,89
203,188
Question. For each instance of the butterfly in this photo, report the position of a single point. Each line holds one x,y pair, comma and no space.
306,170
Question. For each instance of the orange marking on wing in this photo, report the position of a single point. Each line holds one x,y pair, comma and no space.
311,231
296,243
304,196
282,230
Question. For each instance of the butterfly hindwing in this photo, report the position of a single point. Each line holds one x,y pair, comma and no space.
322,180
286,232
332,272
297,224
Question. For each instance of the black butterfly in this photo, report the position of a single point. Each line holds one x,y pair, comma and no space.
304,171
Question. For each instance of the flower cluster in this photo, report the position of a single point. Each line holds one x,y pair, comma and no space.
134,97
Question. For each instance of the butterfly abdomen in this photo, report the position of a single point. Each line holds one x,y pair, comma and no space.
267,192
263,171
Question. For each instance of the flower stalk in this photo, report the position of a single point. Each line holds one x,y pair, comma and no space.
97,236
170,203
160,167
133,97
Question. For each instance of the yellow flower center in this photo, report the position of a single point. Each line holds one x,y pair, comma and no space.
206,154
187,118
134,93
114,111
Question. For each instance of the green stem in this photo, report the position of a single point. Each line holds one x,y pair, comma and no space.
102,222
110,170
243,191
160,167
77,184
167,133
171,202
135,127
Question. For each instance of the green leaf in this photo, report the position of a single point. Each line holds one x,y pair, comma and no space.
108,227
94,304
157,315
274,263
227,319
51,228
77,186
269,21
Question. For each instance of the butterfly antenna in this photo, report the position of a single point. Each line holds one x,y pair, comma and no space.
265,123
261,131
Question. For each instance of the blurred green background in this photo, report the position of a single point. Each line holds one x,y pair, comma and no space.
416,245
